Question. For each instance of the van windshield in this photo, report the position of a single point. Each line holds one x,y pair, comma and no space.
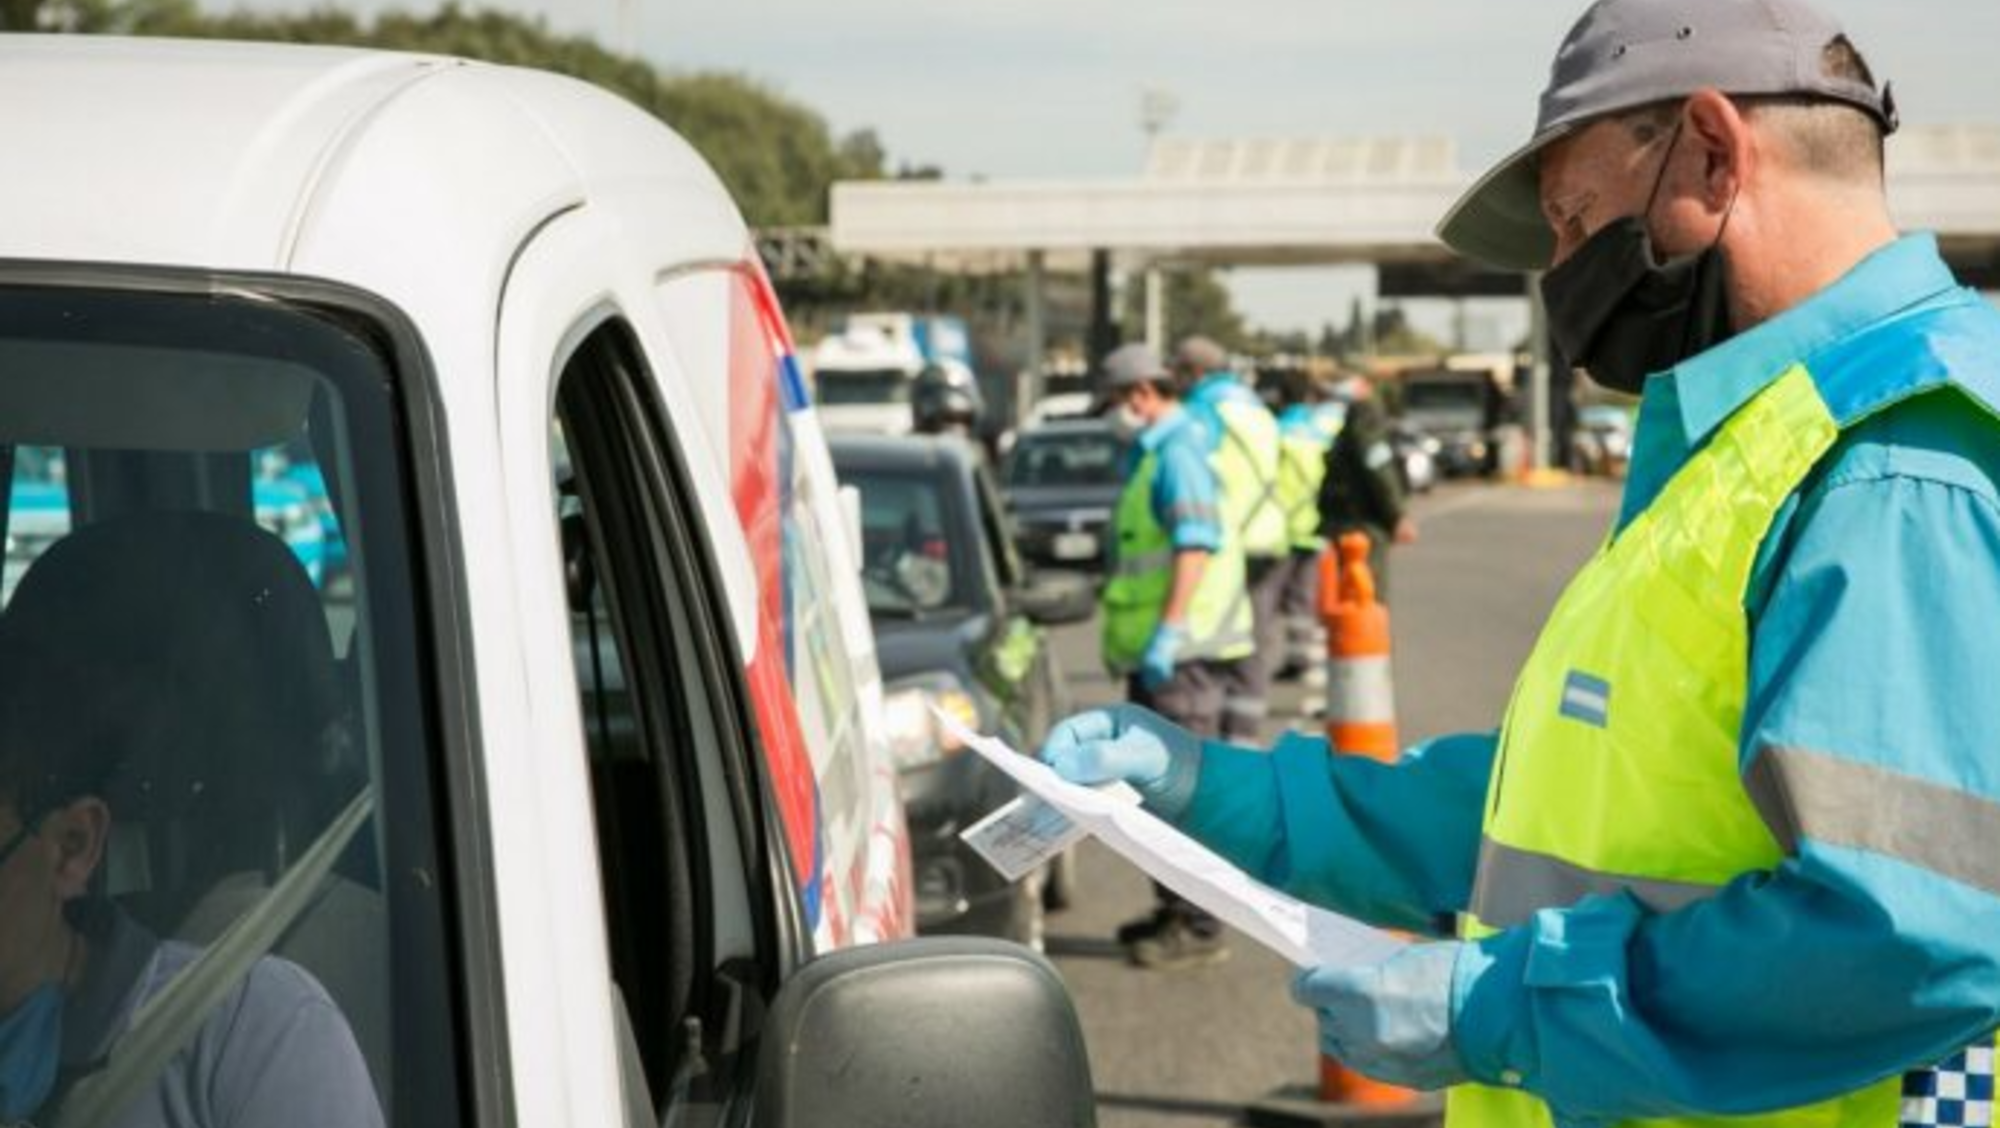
844,386
1445,402
907,559
211,690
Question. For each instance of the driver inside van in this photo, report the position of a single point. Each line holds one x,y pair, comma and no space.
89,711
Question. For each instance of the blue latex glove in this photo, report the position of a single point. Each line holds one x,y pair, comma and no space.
1156,665
1392,1020
1154,755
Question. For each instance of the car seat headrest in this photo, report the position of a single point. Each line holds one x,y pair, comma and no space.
165,660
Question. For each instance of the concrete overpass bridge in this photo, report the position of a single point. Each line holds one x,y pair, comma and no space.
1311,202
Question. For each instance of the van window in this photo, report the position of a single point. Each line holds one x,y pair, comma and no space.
204,702
660,706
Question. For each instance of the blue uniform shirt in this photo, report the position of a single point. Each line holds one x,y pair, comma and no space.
1319,422
275,1051
1875,619
1205,401
1185,501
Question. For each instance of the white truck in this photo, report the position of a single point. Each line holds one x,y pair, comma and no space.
864,373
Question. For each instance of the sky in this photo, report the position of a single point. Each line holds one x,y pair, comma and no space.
1007,89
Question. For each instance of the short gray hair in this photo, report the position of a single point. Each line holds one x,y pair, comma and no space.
1822,137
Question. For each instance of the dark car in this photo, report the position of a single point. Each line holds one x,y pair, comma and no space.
958,627
1461,411
1416,457
1062,479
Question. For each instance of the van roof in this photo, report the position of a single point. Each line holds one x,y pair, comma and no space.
414,176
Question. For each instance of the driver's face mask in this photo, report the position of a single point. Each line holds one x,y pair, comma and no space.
30,1034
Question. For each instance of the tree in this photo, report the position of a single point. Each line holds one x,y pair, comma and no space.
777,157
1395,336
1196,302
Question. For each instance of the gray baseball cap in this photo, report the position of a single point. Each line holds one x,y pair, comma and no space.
1133,364
1624,54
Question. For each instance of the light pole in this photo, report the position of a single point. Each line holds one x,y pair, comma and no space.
1158,107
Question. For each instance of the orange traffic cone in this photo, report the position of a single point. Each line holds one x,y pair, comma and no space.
1361,694
1361,721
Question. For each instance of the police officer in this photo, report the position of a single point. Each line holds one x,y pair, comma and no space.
945,400
1173,607
1736,849
1362,489
1243,448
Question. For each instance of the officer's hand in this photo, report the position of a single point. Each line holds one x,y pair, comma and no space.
1125,742
1406,531
1156,666
1392,1020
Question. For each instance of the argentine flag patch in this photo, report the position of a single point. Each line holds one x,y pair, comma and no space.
1587,699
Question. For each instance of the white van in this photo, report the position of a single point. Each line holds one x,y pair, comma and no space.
563,799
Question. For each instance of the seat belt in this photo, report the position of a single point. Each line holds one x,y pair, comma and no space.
167,1021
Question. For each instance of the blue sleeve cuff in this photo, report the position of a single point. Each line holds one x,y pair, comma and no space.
1233,807
1172,795
1488,1008
1196,536
1547,978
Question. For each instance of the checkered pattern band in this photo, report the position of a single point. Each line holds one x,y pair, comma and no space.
1955,1093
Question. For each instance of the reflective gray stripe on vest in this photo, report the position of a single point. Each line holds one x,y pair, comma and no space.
1146,563
1514,884
1806,794
1224,638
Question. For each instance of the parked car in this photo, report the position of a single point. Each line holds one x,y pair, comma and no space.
1461,411
1601,442
1416,457
1060,405
958,619
576,804
1062,480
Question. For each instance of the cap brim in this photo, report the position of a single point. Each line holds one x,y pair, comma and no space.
1499,221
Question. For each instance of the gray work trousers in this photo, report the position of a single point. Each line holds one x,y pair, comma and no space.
1246,684
1298,606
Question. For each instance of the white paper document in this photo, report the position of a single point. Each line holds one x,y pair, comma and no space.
1303,934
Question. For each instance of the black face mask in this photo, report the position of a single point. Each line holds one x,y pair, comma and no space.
1623,315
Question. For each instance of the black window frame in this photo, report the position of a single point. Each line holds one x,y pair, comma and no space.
662,540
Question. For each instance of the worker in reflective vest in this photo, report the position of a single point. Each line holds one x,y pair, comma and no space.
1364,490
1243,448
1735,849
1308,422
1175,611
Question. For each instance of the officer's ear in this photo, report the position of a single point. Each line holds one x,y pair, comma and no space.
1725,143
77,830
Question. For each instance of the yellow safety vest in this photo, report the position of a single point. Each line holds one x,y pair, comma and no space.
1301,472
1618,760
1246,467
1142,570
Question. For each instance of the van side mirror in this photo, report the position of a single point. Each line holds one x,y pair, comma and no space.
956,1032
